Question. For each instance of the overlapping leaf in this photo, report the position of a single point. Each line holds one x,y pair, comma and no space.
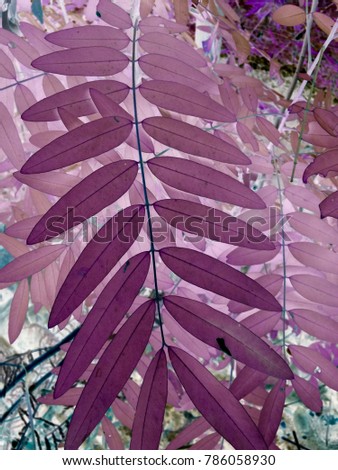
148,422
90,196
109,309
87,141
101,254
215,328
272,412
76,100
216,403
110,374
211,274
192,140
204,181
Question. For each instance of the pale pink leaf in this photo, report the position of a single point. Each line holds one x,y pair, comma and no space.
315,256
30,263
193,430
245,256
316,289
18,47
12,245
89,36
113,14
316,324
268,130
9,138
7,69
18,310
289,15
56,183
313,227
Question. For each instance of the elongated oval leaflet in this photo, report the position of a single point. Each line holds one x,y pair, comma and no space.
198,427
84,61
30,263
111,435
246,381
111,373
327,120
314,363
87,141
316,256
213,275
95,192
241,256
54,183
89,36
210,325
18,310
10,140
204,221
106,106
272,411
158,24
193,140
308,393
148,421
76,100
315,324
315,288
98,258
329,207
161,67
7,69
185,100
216,403
204,181
323,164
169,46
111,306
113,14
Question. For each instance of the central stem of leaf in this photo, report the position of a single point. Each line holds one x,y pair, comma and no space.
146,198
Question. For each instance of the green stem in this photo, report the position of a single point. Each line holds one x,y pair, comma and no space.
146,198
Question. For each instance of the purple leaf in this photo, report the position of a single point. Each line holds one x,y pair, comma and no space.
111,435
313,227
216,403
76,100
192,140
327,120
18,310
106,106
267,129
204,221
89,36
315,256
110,374
262,322
329,207
108,311
161,67
272,412
85,61
204,181
315,364
18,47
213,275
148,422
308,393
169,46
24,99
95,192
159,24
87,141
100,255
193,430
316,289
315,324
113,14
246,381
322,165
185,100
272,282
214,328
208,442
30,263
